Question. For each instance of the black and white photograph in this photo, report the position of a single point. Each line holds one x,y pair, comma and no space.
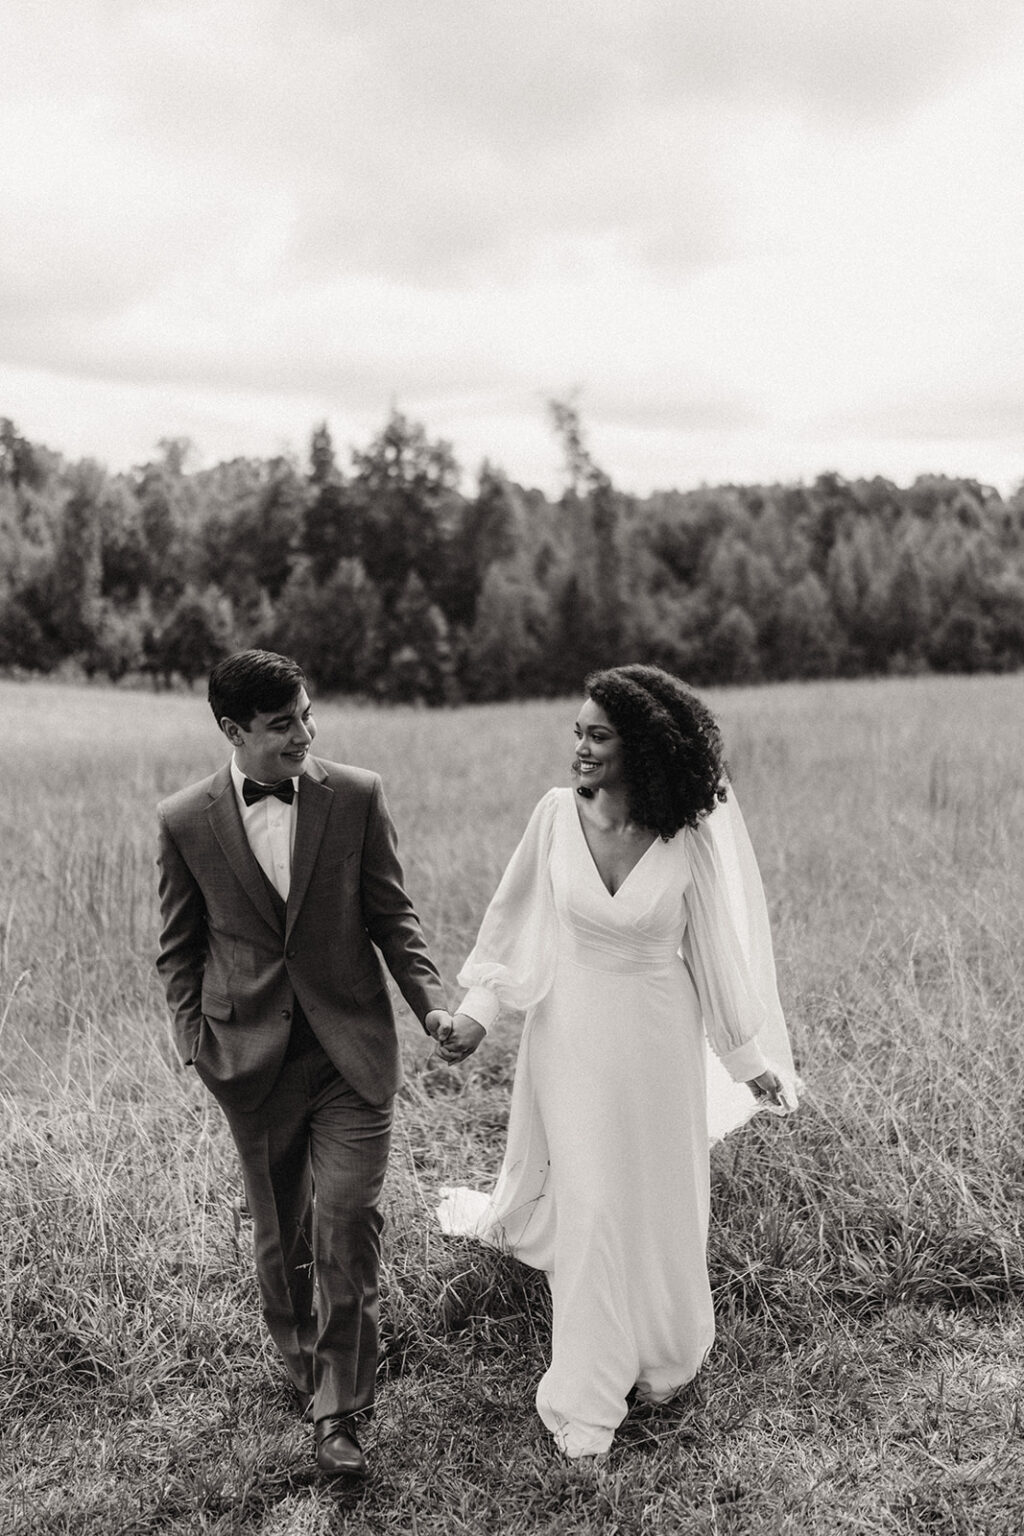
512,661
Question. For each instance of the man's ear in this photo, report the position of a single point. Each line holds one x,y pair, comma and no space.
232,731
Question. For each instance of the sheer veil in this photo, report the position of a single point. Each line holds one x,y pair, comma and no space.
724,863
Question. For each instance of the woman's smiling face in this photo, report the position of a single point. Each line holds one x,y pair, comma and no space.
598,761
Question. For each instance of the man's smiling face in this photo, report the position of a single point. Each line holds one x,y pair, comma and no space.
275,745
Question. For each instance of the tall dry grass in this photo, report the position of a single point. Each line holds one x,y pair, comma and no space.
868,1257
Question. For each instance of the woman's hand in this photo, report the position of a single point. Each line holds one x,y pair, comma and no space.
460,1038
768,1086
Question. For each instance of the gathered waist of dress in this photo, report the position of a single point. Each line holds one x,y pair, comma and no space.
606,952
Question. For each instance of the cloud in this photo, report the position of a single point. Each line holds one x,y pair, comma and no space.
939,417
440,142
724,222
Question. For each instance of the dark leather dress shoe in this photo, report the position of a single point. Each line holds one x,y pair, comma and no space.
337,1450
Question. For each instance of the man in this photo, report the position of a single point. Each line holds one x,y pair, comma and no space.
278,875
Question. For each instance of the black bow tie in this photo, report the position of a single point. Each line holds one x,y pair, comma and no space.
251,791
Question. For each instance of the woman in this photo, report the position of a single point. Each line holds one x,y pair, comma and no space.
630,920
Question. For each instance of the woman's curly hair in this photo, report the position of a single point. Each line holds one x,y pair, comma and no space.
672,755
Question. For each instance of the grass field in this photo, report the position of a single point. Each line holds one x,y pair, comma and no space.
867,1256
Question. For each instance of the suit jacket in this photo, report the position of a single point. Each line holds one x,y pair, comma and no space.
232,968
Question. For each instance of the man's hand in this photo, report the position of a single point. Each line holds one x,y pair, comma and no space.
438,1023
460,1038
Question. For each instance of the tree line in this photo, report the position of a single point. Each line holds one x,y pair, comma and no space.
385,580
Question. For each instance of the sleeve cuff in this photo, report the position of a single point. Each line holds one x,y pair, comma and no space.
482,1005
745,1062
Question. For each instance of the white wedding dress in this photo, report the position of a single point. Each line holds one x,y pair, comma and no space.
604,1183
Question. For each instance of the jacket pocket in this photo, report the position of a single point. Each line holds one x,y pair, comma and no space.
216,1007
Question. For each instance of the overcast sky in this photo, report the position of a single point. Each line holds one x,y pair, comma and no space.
762,238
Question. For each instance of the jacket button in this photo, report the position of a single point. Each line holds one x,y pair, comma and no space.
286,1013
290,954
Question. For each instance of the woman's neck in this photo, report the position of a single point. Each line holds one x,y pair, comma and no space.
609,808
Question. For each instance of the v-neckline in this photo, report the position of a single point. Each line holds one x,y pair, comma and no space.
593,862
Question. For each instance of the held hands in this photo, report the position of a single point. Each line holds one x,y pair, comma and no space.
457,1038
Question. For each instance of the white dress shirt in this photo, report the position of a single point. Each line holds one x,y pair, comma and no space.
270,827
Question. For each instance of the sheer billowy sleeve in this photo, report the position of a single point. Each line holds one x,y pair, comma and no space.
513,960
728,947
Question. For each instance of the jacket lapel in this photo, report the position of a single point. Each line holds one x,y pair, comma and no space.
230,834
314,807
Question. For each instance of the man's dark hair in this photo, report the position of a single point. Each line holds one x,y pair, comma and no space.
253,683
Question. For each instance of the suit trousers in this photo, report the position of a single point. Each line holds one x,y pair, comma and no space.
313,1157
